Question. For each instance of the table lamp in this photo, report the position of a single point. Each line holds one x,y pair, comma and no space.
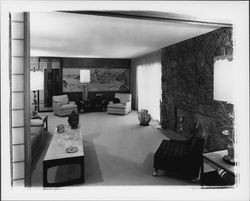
223,91
36,83
84,79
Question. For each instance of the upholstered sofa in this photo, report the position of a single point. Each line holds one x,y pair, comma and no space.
123,106
36,138
62,106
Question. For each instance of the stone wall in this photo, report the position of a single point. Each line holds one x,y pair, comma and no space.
187,83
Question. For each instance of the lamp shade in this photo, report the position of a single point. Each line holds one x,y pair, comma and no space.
223,79
85,76
36,80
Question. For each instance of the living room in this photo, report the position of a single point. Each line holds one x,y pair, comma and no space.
164,69
90,84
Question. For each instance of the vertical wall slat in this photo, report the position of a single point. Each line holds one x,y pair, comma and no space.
27,98
10,103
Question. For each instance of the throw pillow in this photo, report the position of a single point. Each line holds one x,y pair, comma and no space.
116,100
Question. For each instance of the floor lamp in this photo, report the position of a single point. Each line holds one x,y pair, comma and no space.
84,79
223,91
36,83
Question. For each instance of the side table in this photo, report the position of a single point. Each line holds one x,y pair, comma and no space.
93,105
85,106
215,160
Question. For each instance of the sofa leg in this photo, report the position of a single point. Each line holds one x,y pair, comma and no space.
196,180
155,173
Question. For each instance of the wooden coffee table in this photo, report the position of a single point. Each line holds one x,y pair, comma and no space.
56,155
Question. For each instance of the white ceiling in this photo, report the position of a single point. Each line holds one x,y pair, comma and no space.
58,34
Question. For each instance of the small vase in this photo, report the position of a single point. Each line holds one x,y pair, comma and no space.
144,117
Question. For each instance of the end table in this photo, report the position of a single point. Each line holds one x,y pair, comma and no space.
215,160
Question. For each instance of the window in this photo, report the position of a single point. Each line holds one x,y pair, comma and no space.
149,88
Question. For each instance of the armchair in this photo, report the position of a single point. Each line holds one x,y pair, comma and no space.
62,106
123,107
183,157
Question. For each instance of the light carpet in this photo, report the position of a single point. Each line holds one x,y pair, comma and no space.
118,151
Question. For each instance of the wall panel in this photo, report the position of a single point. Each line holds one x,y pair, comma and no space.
17,136
18,170
17,65
17,101
17,30
17,47
17,83
17,132
18,153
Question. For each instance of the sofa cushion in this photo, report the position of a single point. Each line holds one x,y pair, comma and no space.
36,122
63,99
118,105
68,106
36,130
175,149
123,97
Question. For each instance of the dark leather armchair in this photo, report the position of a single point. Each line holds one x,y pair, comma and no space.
182,157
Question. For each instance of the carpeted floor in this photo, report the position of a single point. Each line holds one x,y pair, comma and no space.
118,151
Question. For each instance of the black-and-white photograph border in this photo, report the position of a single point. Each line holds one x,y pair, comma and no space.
124,100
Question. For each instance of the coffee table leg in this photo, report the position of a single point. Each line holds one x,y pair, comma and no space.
49,164
82,169
45,175
202,173
46,123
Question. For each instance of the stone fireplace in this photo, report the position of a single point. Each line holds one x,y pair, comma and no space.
187,85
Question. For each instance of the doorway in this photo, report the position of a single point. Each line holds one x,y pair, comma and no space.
52,85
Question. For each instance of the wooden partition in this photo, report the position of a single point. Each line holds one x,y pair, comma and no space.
19,108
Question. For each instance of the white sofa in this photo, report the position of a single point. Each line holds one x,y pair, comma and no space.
124,107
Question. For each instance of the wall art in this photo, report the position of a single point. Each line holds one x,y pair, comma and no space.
101,79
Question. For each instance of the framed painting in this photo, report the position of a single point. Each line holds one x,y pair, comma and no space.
101,79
